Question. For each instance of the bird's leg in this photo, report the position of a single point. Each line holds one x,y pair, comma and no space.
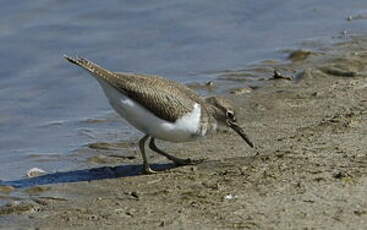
147,169
176,160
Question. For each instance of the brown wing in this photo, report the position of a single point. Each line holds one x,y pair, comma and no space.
166,99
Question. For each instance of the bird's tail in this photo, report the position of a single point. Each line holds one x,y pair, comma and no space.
93,68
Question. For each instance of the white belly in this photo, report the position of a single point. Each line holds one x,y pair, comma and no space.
184,129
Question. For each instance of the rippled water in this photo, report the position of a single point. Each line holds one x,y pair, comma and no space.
50,108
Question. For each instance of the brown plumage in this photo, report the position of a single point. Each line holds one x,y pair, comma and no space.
166,99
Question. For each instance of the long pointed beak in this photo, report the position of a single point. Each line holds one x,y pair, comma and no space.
240,131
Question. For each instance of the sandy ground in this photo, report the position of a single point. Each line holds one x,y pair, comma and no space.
309,170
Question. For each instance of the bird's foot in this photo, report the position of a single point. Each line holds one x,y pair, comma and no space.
149,171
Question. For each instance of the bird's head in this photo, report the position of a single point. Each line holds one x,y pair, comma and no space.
223,111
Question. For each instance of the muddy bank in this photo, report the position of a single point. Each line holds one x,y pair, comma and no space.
308,170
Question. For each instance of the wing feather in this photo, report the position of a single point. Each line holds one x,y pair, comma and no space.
166,99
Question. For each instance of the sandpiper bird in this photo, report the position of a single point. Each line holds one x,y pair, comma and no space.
162,108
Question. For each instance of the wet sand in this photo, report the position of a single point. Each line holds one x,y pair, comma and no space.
308,170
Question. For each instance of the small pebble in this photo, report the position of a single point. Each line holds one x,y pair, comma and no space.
33,172
230,197
135,194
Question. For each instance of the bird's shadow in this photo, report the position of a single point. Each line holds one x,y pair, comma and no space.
85,175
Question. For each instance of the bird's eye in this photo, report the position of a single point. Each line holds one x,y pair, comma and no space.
230,115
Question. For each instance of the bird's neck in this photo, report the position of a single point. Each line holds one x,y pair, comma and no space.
214,112
209,122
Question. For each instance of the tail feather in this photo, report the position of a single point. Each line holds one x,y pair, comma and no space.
90,66
83,62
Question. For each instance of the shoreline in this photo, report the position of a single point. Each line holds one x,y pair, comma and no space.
308,171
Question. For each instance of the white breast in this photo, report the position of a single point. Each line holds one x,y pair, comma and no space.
184,129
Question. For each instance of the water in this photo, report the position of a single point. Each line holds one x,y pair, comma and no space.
49,108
